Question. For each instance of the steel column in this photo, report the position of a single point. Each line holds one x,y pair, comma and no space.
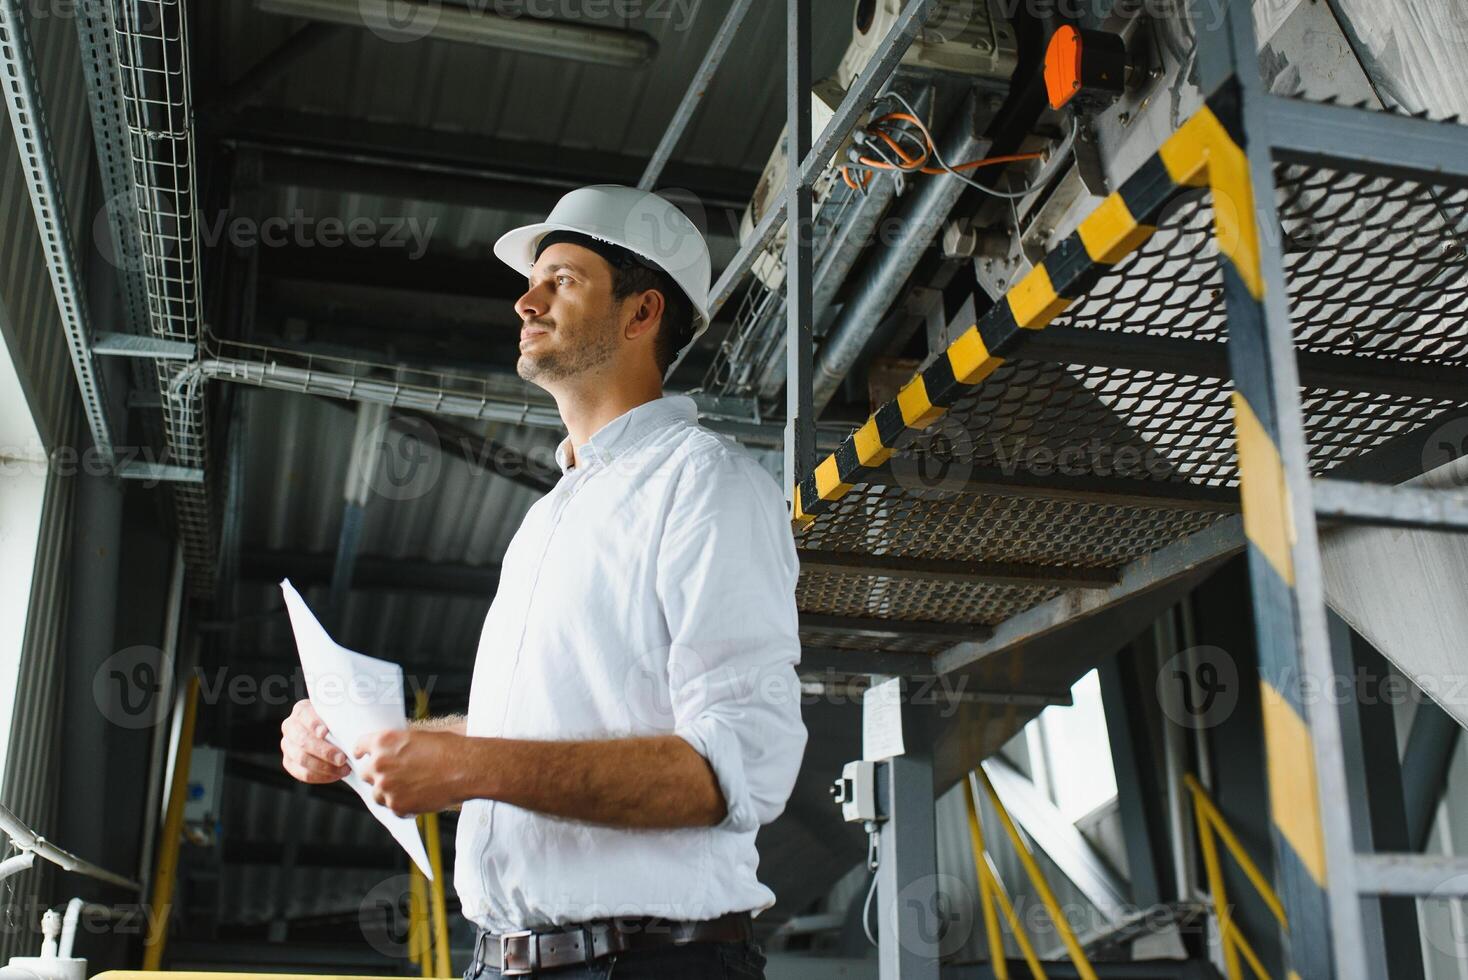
1228,148
800,433
907,869
1370,739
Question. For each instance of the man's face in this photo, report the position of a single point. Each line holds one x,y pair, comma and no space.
568,319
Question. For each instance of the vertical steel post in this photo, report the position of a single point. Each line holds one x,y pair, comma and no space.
800,435
1311,825
909,920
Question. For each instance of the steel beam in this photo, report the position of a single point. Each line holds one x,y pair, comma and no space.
32,138
518,175
1421,875
699,85
1089,489
159,472
1367,141
142,345
1379,505
873,626
1192,555
1209,359
966,572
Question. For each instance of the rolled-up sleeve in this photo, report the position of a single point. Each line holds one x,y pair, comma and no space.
726,578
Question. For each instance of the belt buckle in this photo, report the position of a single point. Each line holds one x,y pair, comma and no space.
505,969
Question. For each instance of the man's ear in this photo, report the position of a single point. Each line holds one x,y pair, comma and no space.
647,310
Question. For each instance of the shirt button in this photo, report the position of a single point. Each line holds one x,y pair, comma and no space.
483,820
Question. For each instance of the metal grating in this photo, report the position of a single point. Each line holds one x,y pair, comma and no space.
1376,267
898,599
979,527
1377,272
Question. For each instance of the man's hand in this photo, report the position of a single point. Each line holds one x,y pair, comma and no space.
304,751
413,770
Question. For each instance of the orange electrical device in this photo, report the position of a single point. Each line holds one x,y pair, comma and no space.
1087,67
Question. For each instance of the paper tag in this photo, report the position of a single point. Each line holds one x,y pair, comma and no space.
881,721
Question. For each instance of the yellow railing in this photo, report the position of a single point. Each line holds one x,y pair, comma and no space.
1211,822
429,948
165,868
428,927
991,890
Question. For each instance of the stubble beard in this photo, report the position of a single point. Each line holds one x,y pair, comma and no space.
591,349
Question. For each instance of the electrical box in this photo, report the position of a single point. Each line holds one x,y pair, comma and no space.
856,792
961,37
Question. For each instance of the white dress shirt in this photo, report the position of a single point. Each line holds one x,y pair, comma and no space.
651,592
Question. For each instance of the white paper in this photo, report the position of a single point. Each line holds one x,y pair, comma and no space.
355,695
881,721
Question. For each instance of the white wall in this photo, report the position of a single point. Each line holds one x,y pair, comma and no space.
22,495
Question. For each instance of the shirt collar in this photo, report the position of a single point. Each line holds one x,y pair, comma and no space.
629,429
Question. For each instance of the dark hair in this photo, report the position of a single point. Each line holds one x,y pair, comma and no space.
676,328
631,274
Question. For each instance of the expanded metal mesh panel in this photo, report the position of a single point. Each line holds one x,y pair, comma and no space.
1037,417
979,527
845,594
1376,267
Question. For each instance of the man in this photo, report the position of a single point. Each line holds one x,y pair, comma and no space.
634,713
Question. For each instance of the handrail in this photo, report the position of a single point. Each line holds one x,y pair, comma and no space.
1211,821
165,872
1073,948
432,946
992,889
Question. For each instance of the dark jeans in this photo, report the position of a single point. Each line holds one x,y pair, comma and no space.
695,961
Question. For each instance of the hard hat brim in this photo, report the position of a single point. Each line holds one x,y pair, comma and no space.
516,248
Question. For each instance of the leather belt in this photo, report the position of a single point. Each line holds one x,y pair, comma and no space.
518,954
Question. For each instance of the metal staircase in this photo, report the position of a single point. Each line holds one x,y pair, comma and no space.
1276,293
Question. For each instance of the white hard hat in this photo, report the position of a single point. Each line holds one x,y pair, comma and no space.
642,222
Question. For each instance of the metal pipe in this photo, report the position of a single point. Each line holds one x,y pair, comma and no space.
920,218
68,927
696,90
15,865
27,839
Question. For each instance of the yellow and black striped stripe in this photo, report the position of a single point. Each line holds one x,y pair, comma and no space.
1294,795
1119,226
